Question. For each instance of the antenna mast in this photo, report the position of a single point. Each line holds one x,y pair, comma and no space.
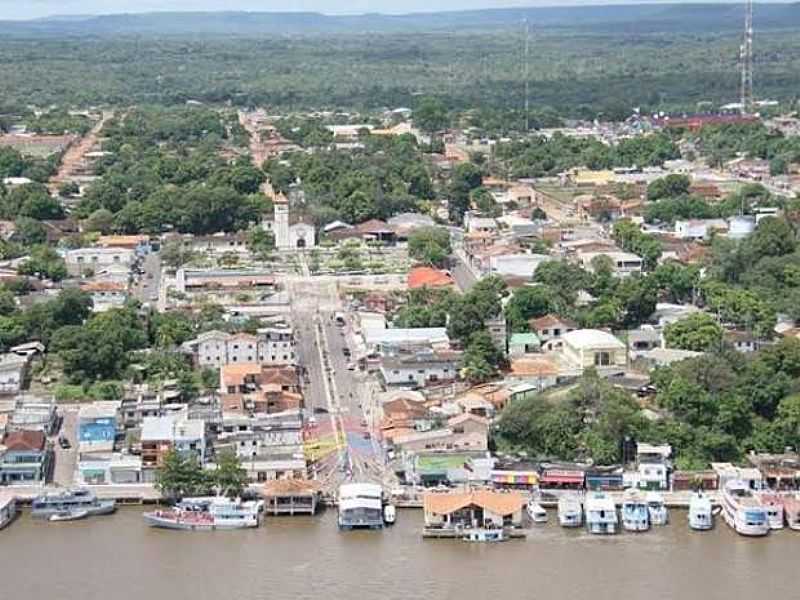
746,57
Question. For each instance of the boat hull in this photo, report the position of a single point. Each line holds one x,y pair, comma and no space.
161,522
570,521
602,528
102,507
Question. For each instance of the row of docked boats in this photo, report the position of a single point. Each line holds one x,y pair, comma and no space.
639,512
755,513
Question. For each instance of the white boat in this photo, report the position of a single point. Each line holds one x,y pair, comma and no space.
208,514
69,515
64,501
536,512
484,535
570,511
635,516
773,504
656,509
791,511
600,513
389,514
8,509
742,511
360,506
701,516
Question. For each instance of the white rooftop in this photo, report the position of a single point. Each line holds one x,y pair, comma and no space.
592,338
419,335
170,427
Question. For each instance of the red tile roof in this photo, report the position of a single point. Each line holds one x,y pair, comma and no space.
25,440
420,277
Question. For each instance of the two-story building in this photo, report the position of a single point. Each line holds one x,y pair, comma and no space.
25,458
584,348
419,369
269,346
549,329
83,261
160,435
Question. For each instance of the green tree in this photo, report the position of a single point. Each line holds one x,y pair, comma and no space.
527,303
699,332
229,477
44,263
431,115
670,186
430,245
181,475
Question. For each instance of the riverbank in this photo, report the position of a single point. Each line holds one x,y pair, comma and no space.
301,558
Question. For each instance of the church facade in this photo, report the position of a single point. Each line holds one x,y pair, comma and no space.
287,237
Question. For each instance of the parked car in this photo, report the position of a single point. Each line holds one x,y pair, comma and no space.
64,443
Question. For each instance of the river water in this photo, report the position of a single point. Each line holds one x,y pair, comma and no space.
119,558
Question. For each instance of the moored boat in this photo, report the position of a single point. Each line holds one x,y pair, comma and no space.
570,511
8,509
484,535
742,511
67,501
389,514
657,509
791,511
600,514
360,506
536,512
69,515
207,514
773,504
635,515
701,517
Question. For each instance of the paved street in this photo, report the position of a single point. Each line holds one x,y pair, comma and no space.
147,287
64,471
463,275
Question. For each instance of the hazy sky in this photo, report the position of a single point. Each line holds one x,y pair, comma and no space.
28,9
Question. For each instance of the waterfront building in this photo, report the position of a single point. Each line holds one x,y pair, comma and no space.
99,468
474,509
652,466
24,458
291,497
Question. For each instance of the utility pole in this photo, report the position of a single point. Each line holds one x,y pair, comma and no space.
746,59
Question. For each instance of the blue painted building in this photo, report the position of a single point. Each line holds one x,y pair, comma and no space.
97,425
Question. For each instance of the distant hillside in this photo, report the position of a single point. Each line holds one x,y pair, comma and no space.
633,18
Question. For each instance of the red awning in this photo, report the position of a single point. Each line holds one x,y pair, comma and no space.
562,478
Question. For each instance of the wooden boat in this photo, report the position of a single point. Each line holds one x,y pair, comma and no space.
68,515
